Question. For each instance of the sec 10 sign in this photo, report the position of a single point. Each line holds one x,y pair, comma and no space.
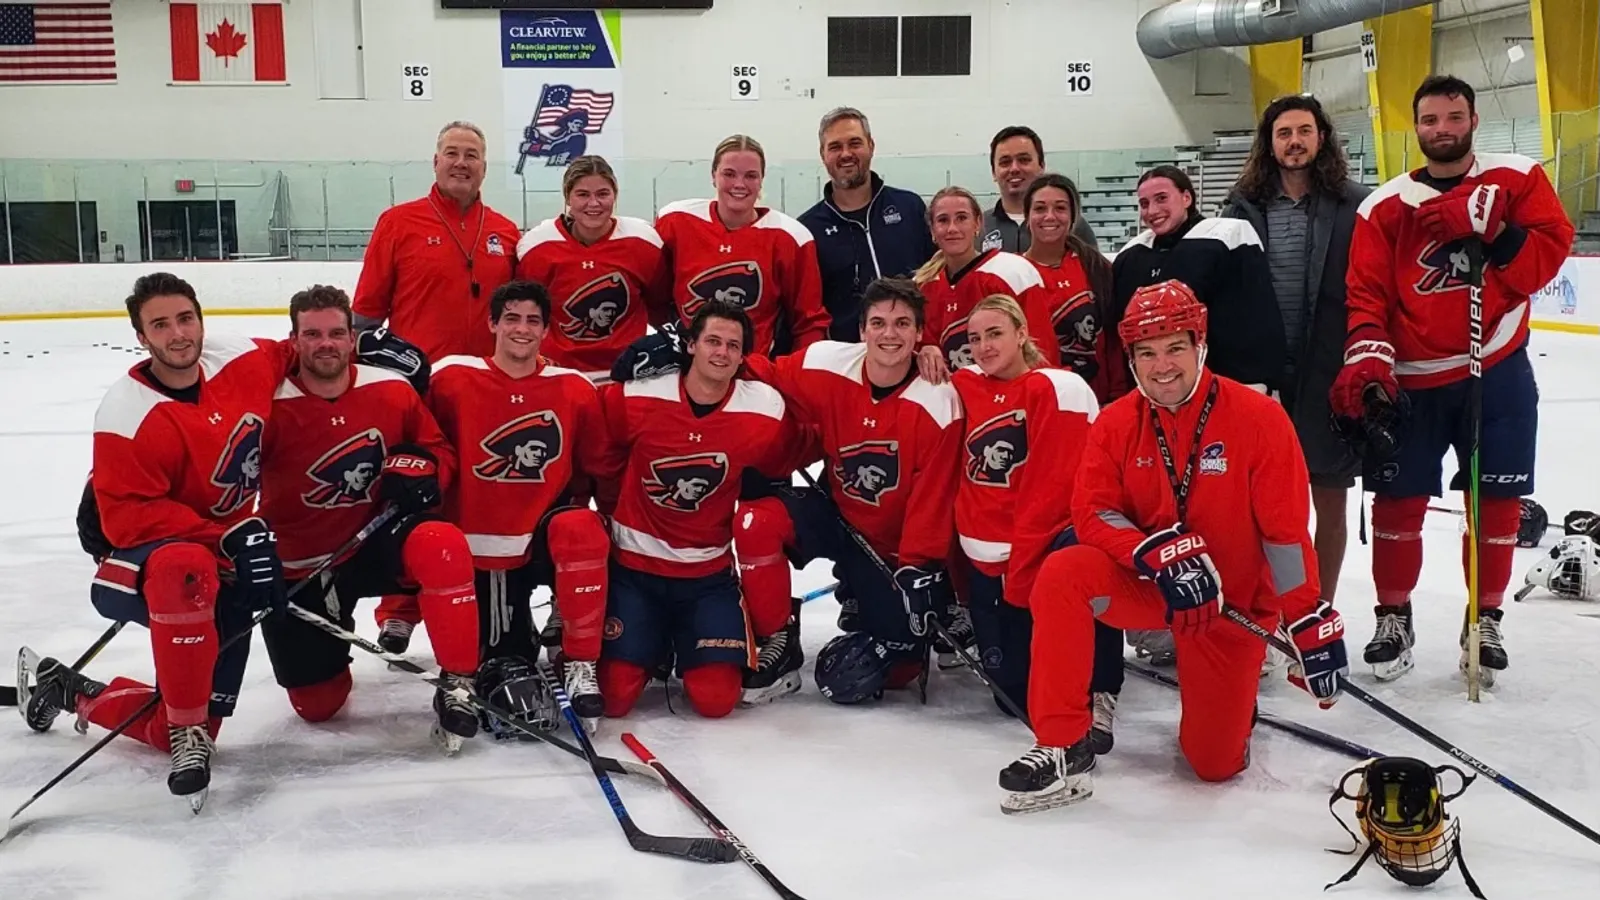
1080,78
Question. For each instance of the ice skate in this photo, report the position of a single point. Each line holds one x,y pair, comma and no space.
48,687
1156,646
849,610
1389,651
1275,661
458,720
583,690
1047,777
1101,739
1492,658
191,763
960,628
394,635
550,634
777,671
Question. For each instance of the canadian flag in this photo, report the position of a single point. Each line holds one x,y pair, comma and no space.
241,43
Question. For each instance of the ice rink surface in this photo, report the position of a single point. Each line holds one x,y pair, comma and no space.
891,801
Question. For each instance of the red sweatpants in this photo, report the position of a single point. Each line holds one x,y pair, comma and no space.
1218,670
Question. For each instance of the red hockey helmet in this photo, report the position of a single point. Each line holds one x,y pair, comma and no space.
1161,309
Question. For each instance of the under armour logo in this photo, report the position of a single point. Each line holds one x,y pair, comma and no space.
870,423
694,437
434,240
999,398
831,229
516,398
1064,283
950,307
216,418
1156,272
1145,462
336,420
588,264
724,248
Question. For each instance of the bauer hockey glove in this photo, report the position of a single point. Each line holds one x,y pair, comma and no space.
1176,560
382,348
1368,361
1476,211
925,590
257,571
410,479
1318,639
651,355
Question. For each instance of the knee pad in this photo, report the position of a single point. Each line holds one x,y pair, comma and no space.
180,579
621,683
321,701
435,555
713,689
853,668
761,530
579,546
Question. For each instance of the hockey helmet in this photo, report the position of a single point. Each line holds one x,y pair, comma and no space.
1571,569
1158,310
1581,521
1400,811
511,687
1533,524
853,668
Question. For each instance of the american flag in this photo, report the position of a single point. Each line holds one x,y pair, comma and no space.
559,99
63,42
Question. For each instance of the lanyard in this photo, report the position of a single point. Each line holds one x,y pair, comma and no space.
1180,489
483,211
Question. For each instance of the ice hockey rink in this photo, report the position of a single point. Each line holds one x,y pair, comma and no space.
895,800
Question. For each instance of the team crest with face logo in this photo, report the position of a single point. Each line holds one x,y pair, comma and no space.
238,468
955,346
521,449
1444,267
1077,329
682,483
868,470
595,308
346,474
996,448
739,283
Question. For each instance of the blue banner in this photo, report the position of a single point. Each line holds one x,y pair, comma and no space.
554,39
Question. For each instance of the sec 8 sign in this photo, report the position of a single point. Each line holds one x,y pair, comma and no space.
418,82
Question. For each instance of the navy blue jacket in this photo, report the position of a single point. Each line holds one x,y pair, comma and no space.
894,242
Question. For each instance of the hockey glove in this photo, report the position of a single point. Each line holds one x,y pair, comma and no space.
1318,639
1476,211
410,479
380,347
257,571
653,354
1368,362
925,590
1177,561
1581,521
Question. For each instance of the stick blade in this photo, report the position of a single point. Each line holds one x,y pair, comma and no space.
702,850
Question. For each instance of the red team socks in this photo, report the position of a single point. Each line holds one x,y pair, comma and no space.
1397,547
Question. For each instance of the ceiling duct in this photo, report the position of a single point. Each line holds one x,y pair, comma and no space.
1196,24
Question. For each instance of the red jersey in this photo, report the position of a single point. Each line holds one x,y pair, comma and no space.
951,297
1079,327
675,513
1247,496
603,295
769,267
420,267
167,469
1022,443
892,461
519,441
1414,290
321,460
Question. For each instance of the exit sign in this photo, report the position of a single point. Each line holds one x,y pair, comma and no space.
185,185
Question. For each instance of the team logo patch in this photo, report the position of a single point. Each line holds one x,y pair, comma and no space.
996,448
739,283
1213,459
684,482
494,246
891,216
953,342
1444,267
992,658
564,118
1077,329
613,628
238,468
868,470
595,308
522,448
345,475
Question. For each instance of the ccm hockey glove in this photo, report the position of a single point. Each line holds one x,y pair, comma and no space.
1176,560
382,348
1318,639
257,571
653,354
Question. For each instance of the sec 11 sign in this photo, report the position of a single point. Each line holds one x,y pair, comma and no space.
746,84
1080,78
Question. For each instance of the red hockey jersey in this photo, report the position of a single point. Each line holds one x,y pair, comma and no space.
675,513
321,460
769,267
1080,329
167,469
602,296
892,462
1022,443
518,442
1415,291
949,302
1247,497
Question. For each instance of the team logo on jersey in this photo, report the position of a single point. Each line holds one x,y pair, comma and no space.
996,448
494,246
345,475
1077,329
238,468
594,309
684,482
1444,267
520,449
739,283
868,470
953,341
1213,459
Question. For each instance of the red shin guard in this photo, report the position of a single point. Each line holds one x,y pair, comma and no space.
761,530
714,689
580,547
621,683
1397,547
1499,518
121,698
321,701
180,590
436,557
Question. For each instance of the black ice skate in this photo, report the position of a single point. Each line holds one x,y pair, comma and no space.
458,720
583,691
191,763
959,624
1389,651
1101,740
1492,659
394,635
777,671
1156,646
1047,777
550,635
48,687
849,609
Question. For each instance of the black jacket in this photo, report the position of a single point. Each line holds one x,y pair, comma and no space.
1221,260
894,242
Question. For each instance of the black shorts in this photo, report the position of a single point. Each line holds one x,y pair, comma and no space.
1331,461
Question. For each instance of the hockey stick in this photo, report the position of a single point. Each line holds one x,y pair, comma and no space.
12,696
401,664
932,620
705,850
1404,721
1288,726
820,592
1474,249
243,634
708,817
